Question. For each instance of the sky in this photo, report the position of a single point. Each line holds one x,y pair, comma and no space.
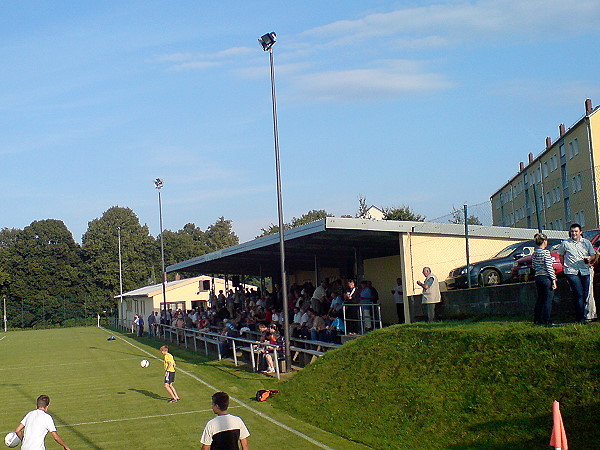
430,104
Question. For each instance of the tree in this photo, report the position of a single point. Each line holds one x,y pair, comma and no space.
402,213
363,209
139,251
184,244
45,270
8,237
311,216
458,216
220,235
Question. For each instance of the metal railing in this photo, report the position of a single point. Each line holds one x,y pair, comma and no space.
362,317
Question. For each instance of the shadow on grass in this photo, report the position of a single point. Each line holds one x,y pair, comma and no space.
580,425
187,355
153,395
58,420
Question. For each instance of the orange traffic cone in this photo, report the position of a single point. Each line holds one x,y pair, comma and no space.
558,440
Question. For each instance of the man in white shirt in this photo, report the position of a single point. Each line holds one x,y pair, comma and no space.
225,430
319,297
574,255
37,424
431,292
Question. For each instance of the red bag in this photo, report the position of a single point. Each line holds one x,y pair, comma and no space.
264,394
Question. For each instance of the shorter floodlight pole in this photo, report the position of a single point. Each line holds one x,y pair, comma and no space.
121,312
159,184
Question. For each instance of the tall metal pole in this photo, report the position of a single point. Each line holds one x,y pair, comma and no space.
122,313
159,184
5,327
467,247
268,46
537,208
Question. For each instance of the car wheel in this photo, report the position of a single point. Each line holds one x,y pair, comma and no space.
489,277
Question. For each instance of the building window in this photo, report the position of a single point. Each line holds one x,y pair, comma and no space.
561,149
576,183
575,147
582,219
546,169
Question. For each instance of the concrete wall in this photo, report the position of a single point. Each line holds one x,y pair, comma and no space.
509,300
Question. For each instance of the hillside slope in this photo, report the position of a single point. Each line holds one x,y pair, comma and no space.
484,385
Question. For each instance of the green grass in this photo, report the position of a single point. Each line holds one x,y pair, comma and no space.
455,386
102,399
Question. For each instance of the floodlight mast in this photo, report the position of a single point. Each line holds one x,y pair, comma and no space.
159,183
267,41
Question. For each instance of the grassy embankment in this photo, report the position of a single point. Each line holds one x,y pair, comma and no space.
482,385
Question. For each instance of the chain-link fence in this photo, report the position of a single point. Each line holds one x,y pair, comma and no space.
52,311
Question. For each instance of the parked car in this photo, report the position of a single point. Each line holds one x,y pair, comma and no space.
522,268
495,270
593,236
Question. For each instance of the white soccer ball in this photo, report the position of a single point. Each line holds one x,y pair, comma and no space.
144,363
12,440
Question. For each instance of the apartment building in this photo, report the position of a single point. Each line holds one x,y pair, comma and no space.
560,185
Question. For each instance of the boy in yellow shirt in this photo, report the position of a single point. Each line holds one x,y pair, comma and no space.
169,374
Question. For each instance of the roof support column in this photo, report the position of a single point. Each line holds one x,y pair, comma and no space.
406,271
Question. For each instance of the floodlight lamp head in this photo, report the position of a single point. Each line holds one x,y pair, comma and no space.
158,183
267,41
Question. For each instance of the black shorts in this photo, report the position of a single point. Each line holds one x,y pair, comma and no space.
169,377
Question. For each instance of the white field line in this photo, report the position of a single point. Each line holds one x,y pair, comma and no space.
248,407
2,337
123,419
78,363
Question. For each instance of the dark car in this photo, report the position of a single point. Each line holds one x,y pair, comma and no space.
523,271
523,268
492,271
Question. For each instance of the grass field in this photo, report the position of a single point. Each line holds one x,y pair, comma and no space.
102,399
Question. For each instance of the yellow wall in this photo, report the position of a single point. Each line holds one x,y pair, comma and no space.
441,253
383,273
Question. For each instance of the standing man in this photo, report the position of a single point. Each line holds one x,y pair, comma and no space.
319,297
224,431
151,322
431,292
574,255
37,424
397,292
140,326
366,297
169,374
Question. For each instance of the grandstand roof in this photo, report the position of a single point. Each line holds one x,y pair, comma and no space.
333,242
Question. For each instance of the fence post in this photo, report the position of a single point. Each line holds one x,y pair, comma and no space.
467,247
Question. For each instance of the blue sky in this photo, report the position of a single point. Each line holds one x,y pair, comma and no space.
426,104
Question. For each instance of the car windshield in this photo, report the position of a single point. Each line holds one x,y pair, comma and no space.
508,250
589,235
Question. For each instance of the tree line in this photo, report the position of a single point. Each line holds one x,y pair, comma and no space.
48,278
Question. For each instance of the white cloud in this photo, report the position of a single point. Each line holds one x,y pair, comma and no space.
451,22
390,80
194,65
201,61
